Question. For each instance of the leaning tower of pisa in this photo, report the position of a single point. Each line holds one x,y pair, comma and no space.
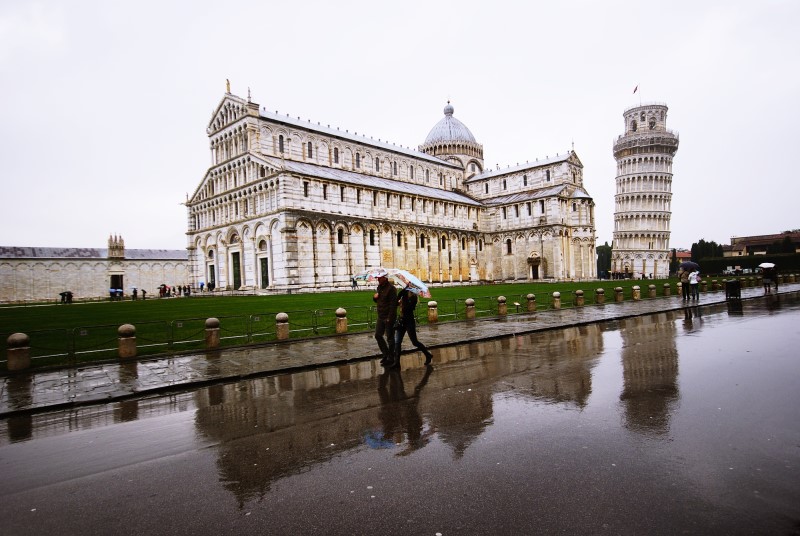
644,193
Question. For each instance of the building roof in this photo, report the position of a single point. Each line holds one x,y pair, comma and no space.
541,193
11,252
370,181
449,129
490,173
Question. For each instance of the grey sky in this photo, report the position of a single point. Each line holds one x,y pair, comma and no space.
105,104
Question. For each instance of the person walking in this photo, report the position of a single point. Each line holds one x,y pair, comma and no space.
406,323
386,300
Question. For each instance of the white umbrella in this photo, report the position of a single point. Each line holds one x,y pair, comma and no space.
406,279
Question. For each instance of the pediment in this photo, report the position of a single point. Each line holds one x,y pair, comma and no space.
230,109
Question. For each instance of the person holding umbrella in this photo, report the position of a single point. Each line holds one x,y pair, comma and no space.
385,298
407,300
769,276
686,268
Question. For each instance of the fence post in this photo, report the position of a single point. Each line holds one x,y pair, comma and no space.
470,308
556,300
341,320
531,302
18,351
282,326
714,284
667,289
637,293
600,296
433,312
618,296
651,291
212,333
127,341
579,299
502,306
703,286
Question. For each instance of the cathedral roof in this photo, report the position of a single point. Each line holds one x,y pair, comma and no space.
541,193
369,181
489,173
449,129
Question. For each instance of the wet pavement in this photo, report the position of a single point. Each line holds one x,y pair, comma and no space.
683,421
63,388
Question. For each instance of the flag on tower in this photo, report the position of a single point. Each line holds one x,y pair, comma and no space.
636,89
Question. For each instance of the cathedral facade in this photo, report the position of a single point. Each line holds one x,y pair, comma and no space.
291,205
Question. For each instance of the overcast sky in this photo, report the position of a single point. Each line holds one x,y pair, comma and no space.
105,103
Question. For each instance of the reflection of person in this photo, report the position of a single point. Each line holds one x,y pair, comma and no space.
386,301
683,275
399,412
694,283
407,300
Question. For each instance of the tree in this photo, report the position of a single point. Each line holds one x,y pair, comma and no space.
703,249
603,260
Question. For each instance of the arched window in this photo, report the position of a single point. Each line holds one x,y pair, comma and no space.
444,242
310,150
411,172
377,164
335,155
358,160
341,194
505,185
340,236
508,246
480,244
427,175
524,180
422,241
463,244
280,143
394,168
486,188
399,239
372,237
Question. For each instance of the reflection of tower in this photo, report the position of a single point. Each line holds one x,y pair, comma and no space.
642,206
649,371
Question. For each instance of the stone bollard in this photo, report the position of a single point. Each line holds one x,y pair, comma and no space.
341,320
212,333
618,296
502,306
282,326
18,351
667,289
600,296
714,284
127,341
470,307
703,286
556,300
580,301
651,291
637,293
531,302
433,312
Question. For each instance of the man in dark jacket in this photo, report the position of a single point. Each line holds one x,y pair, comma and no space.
386,300
407,300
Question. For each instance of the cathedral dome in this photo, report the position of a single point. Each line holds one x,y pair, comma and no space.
449,130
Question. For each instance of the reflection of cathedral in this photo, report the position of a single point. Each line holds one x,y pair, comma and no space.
291,204
650,390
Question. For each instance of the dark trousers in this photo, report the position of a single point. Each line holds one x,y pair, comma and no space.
686,290
383,326
410,327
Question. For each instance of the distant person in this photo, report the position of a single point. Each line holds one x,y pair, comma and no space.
201,286
144,294
694,284
769,277
386,300
64,296
135,294
406,323
353,283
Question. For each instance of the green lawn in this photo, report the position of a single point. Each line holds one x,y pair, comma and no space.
79,332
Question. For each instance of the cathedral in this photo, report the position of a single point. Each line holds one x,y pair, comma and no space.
292,205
